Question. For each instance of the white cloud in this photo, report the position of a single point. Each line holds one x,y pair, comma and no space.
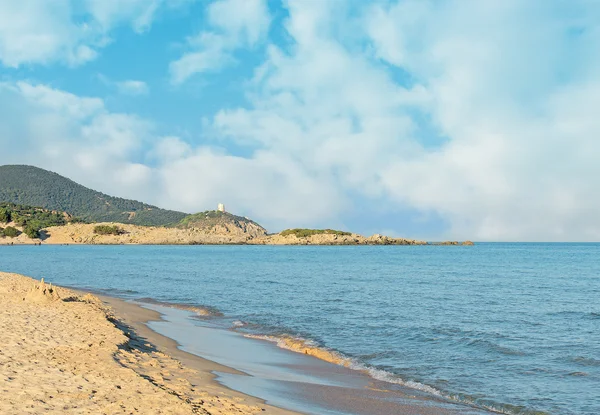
269,187
243,21
235,24
75,136
456,110
138,13
212,54
130,87
39,31
169,149
510,163
66,31
509,171
133,87
122,155
42,96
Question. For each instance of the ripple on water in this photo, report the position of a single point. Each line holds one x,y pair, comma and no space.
502,322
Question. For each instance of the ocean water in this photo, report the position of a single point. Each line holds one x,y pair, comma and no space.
513,327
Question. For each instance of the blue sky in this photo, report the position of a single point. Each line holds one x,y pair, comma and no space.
428,119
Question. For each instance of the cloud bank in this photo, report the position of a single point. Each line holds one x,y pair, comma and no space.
67,31
480,113
235,24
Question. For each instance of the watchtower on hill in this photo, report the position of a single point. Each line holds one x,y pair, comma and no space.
221,207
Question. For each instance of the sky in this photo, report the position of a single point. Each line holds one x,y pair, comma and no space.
440,119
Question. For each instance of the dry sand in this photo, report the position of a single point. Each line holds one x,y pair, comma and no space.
64,352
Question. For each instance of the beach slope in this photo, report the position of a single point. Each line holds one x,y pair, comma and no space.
63,352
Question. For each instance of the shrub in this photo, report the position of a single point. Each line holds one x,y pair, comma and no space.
4,215
11,232
36,218
18,219
108,230
31,231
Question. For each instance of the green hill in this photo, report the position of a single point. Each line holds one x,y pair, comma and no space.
32,186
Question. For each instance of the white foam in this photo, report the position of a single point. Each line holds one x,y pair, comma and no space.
389,377
378,374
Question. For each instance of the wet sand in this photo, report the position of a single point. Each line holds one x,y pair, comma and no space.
296,381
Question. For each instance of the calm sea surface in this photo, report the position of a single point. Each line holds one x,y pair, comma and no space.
510,326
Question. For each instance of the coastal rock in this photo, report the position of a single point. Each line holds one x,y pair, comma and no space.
333,239
378,239
319,239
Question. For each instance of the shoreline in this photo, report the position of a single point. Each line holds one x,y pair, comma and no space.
138,322
73,352
253,287
405,397
137,318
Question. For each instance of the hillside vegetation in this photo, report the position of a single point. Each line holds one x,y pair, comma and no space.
108,230
31,219
32,186
9,231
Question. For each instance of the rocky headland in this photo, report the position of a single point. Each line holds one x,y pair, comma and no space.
223,233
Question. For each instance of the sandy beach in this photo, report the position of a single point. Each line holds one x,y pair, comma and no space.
65,352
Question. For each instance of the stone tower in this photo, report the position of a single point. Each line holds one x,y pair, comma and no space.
221,207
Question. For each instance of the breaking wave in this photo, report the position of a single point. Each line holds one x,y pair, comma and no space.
312,348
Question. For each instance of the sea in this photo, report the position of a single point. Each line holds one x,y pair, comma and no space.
510,327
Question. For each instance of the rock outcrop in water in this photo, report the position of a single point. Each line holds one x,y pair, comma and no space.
333,239
455,243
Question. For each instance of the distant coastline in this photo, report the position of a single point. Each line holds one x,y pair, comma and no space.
222,234
41,207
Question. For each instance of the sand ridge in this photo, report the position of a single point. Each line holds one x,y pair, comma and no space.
63,352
